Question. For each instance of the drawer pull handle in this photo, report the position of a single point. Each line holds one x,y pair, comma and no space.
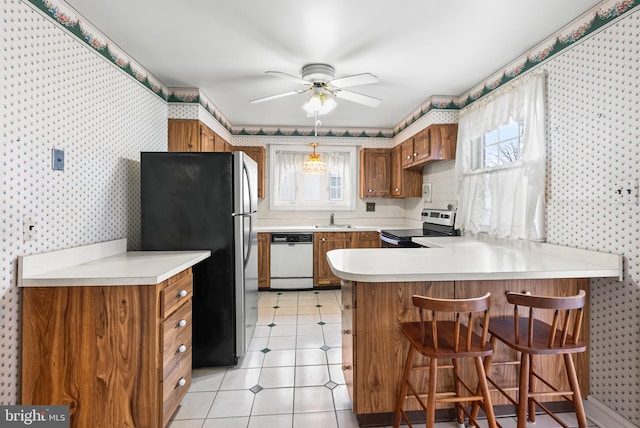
346,331
181,382
181,293
346,367
181,323
181,349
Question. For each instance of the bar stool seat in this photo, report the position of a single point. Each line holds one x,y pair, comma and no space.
531,337
440,338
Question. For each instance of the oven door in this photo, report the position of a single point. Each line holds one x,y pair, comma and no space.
392,242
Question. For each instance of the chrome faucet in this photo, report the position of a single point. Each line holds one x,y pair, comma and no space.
331,220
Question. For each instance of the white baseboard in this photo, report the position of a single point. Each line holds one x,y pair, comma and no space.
603,416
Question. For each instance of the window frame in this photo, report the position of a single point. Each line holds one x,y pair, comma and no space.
348,202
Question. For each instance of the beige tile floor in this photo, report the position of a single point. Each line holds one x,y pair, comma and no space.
291,376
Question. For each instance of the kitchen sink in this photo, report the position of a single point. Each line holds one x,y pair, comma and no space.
333,226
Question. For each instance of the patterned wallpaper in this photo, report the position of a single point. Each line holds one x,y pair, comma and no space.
57,93
593,142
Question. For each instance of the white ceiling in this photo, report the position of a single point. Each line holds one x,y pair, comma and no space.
417,48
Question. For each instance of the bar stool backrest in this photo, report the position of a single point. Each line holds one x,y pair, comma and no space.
565,309
430,307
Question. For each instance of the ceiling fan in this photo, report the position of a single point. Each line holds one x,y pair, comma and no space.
320,78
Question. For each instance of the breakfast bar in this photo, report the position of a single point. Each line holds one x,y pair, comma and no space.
377,285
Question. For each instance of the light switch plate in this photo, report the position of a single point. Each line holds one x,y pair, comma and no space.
57,159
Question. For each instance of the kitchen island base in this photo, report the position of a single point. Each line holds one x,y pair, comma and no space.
374,349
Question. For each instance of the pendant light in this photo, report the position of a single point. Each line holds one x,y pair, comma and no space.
314,164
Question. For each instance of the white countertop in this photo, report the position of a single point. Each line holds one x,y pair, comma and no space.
105,263
459,259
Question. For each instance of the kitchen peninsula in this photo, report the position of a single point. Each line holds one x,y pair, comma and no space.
107,332
377,285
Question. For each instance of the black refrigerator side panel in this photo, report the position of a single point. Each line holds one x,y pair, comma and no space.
187,204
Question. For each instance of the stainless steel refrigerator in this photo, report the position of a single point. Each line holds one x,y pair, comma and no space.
208,201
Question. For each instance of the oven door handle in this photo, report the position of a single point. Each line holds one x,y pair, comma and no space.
388,240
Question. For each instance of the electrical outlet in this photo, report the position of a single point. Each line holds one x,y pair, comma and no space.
626,191
426,192
371,206
28,228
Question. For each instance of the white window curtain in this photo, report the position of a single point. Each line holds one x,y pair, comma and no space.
505,202
292,189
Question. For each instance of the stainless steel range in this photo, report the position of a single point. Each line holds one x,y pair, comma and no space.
434,223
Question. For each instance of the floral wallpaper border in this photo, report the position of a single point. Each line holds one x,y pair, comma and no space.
570,34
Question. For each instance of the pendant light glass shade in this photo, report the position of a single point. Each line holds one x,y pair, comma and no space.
314,164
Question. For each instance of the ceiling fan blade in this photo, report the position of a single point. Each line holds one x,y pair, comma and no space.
289,77
358,98
356,79
275,97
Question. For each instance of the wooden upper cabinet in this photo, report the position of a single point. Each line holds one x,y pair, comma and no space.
434,143
405,183
443,141
375,173
207,139
407,153
421,147
184,135
222,145
190,135
258,154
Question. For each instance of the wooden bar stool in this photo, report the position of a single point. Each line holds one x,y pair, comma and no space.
439,338
533,337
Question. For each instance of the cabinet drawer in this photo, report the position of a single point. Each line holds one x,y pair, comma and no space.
175,386
176,338
178,290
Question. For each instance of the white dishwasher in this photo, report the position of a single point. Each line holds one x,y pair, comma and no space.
291,260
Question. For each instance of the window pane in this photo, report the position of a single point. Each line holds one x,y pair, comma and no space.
491,158
491,137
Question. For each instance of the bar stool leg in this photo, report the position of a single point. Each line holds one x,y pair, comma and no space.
486,395
523,393
575,387
456,386
486,367
403,387
532,387
431,402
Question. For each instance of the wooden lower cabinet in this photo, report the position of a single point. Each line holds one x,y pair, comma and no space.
116,355
323,242
368,239
327,241
374,350
264,260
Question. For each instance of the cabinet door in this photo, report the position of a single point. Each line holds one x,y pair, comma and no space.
365,239
375,173
183,135
207,139
258,154
264,260
407,153
405,183
323,242
421,147
443,141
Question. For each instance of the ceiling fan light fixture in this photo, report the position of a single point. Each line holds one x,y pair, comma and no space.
319,103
